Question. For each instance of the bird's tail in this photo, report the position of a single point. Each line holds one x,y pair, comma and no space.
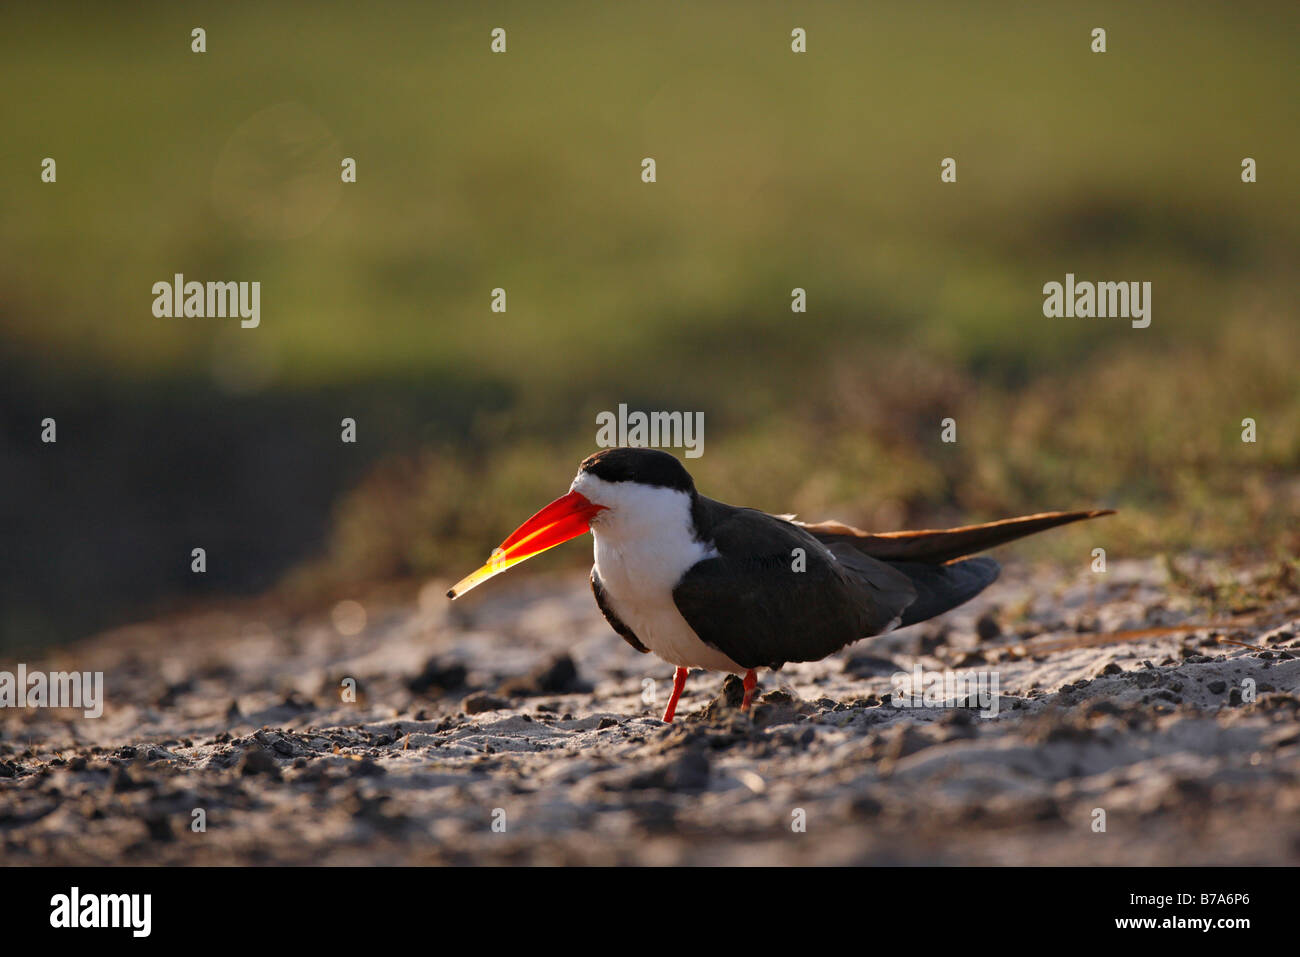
941,588
938,546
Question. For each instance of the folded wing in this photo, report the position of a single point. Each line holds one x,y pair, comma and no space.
781,590
775,593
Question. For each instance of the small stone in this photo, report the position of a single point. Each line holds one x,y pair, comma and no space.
438,677
869,666
481,701
121,781
987,627
257,760
159,827
365,768
557,676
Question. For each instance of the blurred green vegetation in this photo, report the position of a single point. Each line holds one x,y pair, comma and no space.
775,170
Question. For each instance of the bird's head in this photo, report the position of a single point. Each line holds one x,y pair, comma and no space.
615,491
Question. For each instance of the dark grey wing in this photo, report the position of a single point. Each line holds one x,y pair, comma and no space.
943,587
614,621
762,604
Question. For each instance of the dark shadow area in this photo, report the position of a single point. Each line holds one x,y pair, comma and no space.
100,525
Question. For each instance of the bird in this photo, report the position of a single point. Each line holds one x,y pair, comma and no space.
706,585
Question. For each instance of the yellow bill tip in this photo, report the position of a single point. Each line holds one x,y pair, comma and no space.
496,564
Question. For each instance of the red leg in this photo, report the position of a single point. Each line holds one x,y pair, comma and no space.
679,682
751,682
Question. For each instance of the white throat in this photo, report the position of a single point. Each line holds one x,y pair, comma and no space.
644,544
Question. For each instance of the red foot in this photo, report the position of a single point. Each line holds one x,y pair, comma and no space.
679,682
751,682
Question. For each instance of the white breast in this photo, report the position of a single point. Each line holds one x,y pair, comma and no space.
644,543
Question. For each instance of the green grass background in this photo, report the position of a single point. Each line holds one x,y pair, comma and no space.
775,170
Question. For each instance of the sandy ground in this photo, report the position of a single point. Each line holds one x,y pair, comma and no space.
515,727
